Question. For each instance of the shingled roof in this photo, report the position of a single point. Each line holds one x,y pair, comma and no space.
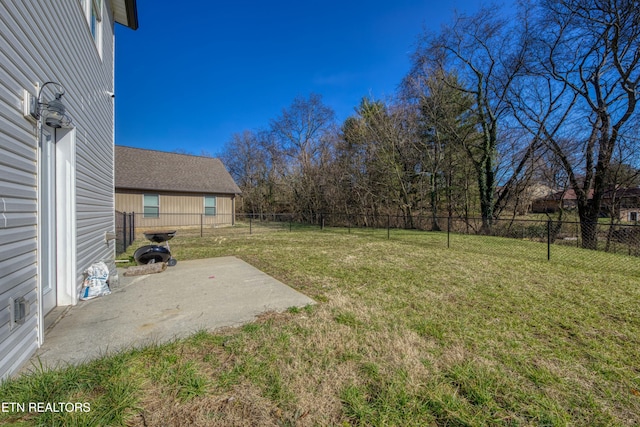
138,169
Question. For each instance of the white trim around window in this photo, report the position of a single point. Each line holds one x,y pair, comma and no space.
93,11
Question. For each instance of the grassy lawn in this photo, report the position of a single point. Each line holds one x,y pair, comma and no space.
405,333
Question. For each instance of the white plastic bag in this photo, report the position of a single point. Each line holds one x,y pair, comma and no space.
95,284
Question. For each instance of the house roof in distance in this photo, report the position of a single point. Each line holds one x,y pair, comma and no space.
139,169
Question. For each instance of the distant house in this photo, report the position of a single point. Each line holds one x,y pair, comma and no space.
559,200
523,196
622,203
56,178
173,190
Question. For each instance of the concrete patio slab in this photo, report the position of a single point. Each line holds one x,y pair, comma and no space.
195,295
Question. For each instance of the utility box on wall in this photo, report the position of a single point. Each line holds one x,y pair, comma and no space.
19,310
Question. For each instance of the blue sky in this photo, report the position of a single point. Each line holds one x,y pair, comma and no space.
196,72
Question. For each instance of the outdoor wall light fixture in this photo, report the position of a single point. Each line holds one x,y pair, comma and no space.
52,113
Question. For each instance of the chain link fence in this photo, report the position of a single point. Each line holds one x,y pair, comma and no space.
125,231
552,235
131,226
605,236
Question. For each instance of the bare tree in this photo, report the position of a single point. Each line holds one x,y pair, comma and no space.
301,128
582,92
482,51
246,158
300,138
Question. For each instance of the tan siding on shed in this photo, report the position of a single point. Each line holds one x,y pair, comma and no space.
177,209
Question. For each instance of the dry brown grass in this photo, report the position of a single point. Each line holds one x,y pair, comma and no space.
243,406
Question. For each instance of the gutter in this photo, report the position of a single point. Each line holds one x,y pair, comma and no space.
132,14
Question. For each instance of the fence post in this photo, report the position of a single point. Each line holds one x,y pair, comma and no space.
448,231
132,226
127,231
124,231
250,224
548,240
577,234
201,224
321,221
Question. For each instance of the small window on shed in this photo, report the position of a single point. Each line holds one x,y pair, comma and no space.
151,205
633,216
210,205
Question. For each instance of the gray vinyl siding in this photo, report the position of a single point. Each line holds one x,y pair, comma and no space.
40,41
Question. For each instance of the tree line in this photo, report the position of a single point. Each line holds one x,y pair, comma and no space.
493,104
